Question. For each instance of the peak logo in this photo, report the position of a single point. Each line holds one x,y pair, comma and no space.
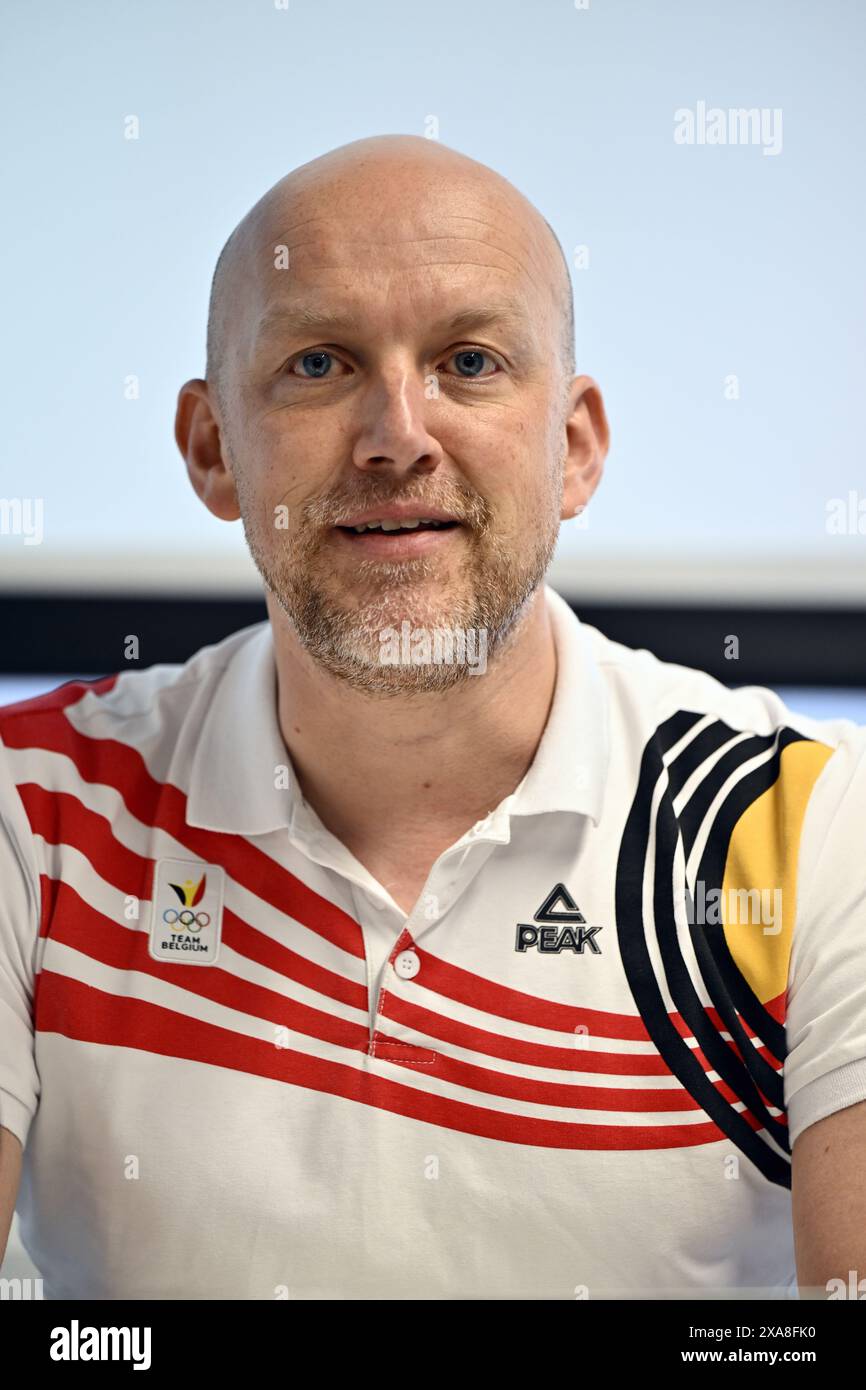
186,923
556,929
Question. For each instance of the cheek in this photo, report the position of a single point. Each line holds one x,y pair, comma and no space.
526,463
512,464
523,498
290,467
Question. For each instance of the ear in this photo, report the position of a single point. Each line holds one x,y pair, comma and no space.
588,440
197,431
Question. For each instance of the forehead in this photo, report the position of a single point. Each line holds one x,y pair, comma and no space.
373,248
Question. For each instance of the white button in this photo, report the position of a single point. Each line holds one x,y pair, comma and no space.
407,965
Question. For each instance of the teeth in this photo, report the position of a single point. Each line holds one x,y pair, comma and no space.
389,525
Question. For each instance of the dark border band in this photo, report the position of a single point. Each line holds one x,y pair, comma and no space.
67,634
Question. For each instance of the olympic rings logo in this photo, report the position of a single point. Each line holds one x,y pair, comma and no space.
186,920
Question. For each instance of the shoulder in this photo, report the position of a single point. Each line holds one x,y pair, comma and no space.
804,768
648,691
147,706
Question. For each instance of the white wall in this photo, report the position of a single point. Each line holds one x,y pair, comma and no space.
704,261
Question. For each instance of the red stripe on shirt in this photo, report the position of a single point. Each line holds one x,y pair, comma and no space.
90,1015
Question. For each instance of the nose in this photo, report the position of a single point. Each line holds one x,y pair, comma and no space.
393,436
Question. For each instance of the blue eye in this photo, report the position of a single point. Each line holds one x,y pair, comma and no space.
470,363
319,364
315,364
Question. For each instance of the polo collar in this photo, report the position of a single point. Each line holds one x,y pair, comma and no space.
242,780
569,770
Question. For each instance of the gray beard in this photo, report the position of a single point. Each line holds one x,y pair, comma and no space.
497,591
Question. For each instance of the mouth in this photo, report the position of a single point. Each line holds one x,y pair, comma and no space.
396,539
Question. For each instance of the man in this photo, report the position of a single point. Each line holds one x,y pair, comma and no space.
421,941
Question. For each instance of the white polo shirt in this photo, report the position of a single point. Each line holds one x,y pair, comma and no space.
240,1071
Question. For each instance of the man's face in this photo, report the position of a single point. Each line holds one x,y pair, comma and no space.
412,363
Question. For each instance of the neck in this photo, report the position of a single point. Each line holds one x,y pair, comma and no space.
392,767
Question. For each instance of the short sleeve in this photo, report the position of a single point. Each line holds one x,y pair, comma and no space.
825,1069
19,935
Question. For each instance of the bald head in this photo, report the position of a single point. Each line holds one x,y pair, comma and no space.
380,177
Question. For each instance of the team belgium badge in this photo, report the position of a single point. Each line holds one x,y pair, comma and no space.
186,923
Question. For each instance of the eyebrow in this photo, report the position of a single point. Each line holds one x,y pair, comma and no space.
288,318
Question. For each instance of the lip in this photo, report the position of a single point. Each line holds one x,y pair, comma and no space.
398,511
390,546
